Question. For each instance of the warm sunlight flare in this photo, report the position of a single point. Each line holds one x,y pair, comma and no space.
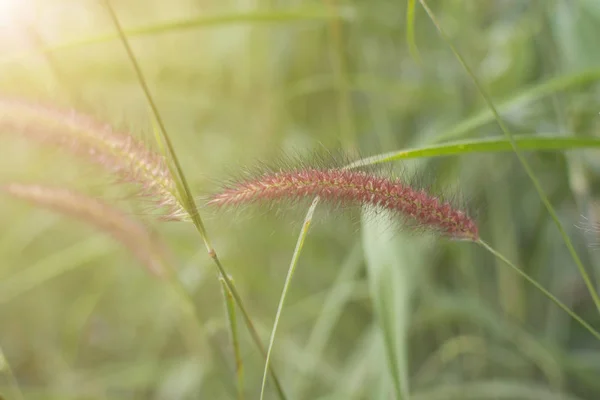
295,200
12,12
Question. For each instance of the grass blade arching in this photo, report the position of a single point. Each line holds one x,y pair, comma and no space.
584,274
536,92
539,287
286,286
483,145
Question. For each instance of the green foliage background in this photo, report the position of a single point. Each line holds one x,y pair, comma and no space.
241,81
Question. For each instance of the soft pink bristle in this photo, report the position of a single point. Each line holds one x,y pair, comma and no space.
353,187
120,153
132,234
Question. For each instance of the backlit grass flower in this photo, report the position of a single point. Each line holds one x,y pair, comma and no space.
133,235
120,153
348,187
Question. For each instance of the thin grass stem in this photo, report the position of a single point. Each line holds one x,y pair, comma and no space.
546,293
340,71
195,328
233,328
495,144
410,30
286,286
585,276
184,189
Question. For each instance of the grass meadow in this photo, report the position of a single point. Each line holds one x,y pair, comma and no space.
494,104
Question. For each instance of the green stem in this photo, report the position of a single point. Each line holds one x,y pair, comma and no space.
187,198
239,365
286,286
540,288
340,72
522,160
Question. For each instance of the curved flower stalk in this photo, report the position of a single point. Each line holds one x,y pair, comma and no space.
133,235
342,186
120,153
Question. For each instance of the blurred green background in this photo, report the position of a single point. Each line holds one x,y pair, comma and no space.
238,81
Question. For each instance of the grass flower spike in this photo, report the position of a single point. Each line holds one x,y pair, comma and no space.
133,235
343,186
121,154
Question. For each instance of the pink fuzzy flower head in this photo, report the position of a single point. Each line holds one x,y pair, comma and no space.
120,153
344,186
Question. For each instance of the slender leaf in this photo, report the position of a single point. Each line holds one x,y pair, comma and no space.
286,286
233,329
392,262
468,126
410,30
484,145
524,163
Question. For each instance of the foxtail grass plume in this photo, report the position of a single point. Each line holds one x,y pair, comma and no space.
133,235
120,153
344,186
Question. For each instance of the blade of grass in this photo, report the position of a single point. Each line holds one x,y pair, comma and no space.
340,72
194,331
487,145
530,95
298,359
393,261
522,160
410,30
239,365
535,283
579,182
286,286
334,304
185,192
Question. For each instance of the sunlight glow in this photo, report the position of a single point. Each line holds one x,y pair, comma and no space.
12,12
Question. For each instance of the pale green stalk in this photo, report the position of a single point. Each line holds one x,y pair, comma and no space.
410,30
185,192
233,328
340,73
522,160
286,286
546,293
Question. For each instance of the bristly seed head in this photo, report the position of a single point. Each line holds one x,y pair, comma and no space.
120,153
352,187
133,235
